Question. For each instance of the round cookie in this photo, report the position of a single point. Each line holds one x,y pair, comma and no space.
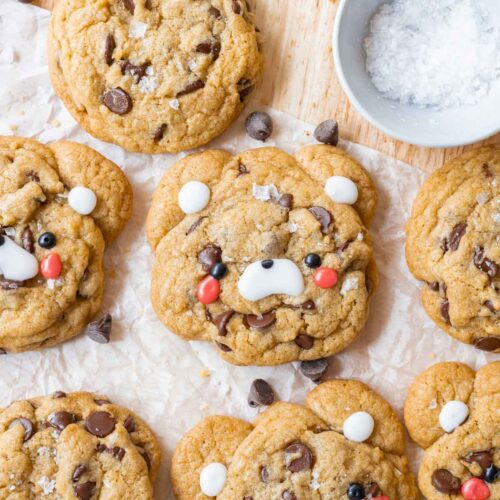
453,245
51,273
155,76
266,265
453,413
75,446
294,452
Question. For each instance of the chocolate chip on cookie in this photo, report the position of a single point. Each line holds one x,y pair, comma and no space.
261,393
262,321
221,321
298,457
84,491
191,87
304,341
78,472
484,264
445,482
323,216
28,427
259,125
129,5
100,424
135,71
28,241
109,48
61,419
129,424
209,256
117,101
489,344
327,132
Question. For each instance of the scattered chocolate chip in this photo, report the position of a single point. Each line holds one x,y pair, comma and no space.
100,424
445,311
28,241
242,170
101,402
59,395
259,125
6,284
286,200
215,12
109,47
484,264
129,424
445,482
195,225
303,461
261,394
433,285
84,491
323,216
61,419
489,305
134,71
327,132
262,321
117,101
160,132
209,256
487,343
264,475
315,369
100,331
288,495
146,458
221,321
28,427
483,458
223,347
79,471
236,7
129,5
453,241
191,87
304,341
308,305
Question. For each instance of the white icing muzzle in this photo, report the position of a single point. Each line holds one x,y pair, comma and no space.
270,277
15,262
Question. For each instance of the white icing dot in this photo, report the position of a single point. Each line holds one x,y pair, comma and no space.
213,478
341,190
265,193
193,197
15,262
82,200
453,414
137,29
283,276
358,427
348,285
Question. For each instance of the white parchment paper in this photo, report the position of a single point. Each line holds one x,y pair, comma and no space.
147,368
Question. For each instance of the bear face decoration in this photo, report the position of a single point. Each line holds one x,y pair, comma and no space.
59,206
345,443
264,254
454,414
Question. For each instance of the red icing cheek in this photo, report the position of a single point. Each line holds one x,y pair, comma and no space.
51,266
208,290
325,277
381,498
475,489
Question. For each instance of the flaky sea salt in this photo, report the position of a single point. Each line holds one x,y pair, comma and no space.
348,285
137,29
265,193
433,53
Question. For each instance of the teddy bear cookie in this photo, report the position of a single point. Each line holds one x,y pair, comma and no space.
345,443
453,245
264,254
75,446
59,206
454,414
155,76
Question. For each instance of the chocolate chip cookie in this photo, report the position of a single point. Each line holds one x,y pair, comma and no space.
59,206
75,446
345,443
453,244
156,76
453,413
266,255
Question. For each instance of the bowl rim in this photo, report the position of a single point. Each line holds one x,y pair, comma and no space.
370,118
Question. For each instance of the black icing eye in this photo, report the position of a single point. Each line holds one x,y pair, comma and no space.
218,271
355,491
2,240
312,260
267,264
47,240
491,474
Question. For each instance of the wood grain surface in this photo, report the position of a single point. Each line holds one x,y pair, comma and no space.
300,77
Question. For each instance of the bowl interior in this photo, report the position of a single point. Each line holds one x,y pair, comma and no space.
449,127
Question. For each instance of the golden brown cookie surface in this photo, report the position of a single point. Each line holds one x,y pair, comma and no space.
453,244
154,76
75,446
324,449
246,247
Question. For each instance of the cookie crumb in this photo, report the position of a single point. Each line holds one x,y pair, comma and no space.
204,373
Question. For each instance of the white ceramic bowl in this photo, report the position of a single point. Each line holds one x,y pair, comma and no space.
425,127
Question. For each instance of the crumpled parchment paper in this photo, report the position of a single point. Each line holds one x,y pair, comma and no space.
147,368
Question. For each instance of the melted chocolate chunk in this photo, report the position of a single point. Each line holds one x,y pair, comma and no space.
209,256
264,475
160,132
129,424
323,216
28,240
484,264
215,12
483,458
100,331
223,347
286,201
84,491
289,495
117,101
195,225
79,471
445,482
301,462
245,92
100,424
129,5
133,70
109,47
433,285
262,321
61,419
308,305
221,321
242,170
146,458
33,176
304,341
453,240
489,305
489,344
101,402
261,394
191,87
487,171
236,7
445,311
6,284
28,427
59,395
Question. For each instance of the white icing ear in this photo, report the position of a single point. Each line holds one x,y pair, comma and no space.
269,277
453,414
193,197
359,426
82,200
15,262
213,478
341,190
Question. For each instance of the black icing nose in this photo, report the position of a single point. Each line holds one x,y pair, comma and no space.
267,264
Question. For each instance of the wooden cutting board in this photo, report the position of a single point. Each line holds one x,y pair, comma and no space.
300,77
